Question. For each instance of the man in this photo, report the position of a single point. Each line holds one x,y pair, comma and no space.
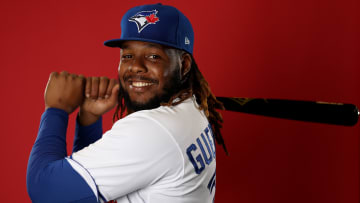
162,151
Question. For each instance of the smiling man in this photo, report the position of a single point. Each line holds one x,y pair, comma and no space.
150,73
162,147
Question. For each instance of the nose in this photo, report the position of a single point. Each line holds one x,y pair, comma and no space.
138,66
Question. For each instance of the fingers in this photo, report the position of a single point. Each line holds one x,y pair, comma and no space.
88,87
94,88
111,85
114,94
64,73
99,87
103,86
54,74
64,91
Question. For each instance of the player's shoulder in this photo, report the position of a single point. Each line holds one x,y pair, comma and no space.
177,123
143,130
172,117
165,113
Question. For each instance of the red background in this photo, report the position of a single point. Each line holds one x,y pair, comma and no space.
301,50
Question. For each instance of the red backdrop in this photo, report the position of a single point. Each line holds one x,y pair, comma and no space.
302,50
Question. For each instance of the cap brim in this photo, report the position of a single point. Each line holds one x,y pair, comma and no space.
118,42
113,43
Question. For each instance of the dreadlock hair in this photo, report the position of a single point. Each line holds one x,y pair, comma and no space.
193,83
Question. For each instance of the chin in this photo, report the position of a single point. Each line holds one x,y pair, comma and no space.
142,105
151,99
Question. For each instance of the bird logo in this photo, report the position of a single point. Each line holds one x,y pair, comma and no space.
144,18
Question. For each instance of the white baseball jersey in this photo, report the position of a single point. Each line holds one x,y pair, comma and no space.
163,155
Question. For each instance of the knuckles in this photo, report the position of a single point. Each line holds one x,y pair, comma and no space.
104,79
67,90
92,85
66,77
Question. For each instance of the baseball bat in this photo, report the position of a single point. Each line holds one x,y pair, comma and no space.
310,111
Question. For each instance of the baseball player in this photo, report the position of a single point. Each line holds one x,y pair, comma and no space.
162,147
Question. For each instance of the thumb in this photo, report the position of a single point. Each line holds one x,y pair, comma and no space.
114,94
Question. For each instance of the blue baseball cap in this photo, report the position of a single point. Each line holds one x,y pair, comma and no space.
156,23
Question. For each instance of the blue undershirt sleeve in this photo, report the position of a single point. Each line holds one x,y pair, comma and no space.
50,177
86,135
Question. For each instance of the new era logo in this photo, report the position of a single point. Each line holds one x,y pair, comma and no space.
187,41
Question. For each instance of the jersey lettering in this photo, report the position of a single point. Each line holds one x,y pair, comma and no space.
199,159
207,159
212,182
211,141
205,154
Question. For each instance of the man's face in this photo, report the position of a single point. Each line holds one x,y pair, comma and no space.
149,74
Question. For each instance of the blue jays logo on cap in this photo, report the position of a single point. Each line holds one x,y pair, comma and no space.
174,30
144,18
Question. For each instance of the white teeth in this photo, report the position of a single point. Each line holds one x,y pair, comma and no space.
141,84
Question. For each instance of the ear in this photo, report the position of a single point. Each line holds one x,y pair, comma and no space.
185,64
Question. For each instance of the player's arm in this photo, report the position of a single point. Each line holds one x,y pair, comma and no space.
100,97
50,176
86,135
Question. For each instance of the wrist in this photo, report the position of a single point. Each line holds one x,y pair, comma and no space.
87,118
67,110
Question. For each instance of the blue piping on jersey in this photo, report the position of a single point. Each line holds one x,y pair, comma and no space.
97,188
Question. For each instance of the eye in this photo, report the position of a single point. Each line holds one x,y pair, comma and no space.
154,57
126,56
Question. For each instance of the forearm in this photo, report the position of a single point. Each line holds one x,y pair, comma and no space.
50,178
50,144
86,135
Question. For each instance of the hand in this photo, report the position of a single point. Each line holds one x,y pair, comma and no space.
64,91
101,96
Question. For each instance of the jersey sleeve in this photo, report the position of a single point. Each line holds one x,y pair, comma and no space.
86,135
50,177
137,152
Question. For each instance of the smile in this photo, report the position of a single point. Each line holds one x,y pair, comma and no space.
141,84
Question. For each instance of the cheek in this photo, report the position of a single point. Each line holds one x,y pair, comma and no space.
170,73
121,70
157,72
121,74
163,77
166,73
120,67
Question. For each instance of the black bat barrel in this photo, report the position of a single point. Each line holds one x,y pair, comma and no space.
322,112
